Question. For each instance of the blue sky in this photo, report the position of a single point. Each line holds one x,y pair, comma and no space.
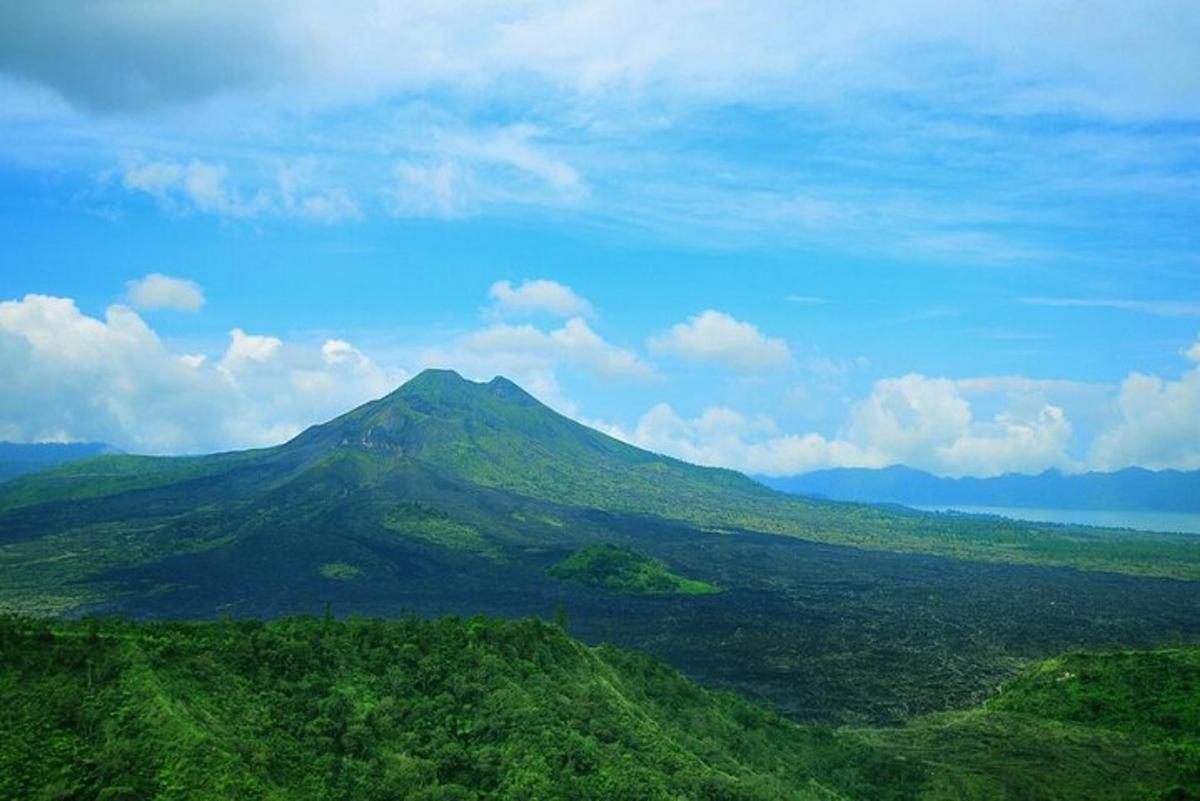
962,236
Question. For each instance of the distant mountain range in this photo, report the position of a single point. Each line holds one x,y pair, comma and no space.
1132,489
18,459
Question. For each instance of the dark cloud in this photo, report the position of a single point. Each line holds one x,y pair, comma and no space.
126,56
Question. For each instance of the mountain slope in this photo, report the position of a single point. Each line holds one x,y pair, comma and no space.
1131,489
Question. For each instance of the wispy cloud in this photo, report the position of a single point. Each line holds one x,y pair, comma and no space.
848,133
1162,308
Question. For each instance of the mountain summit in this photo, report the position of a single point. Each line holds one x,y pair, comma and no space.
497,435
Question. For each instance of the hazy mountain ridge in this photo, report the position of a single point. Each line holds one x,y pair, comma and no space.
1131,489
18,459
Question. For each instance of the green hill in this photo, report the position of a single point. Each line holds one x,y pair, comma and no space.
625,570
1122,725
482,709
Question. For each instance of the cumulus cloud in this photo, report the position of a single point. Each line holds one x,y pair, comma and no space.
935,424
1157,422
722,437
913,420
112,379
158,291
714,336
928,423
538,295
532,356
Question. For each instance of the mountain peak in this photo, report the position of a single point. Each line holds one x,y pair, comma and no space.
437,408
441,385
435,378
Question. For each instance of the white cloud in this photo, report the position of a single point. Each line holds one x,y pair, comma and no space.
928,423
461,172
158,291
197,185
721,437
914,420
1157,422
513,147
526,353
206,187
538,295
112,379
714,336
1193,352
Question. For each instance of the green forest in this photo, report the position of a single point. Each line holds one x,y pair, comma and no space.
479,708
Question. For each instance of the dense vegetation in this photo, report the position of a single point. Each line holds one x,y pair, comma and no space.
1114,724
449,709
1149,695
1133,488
620,569
482,709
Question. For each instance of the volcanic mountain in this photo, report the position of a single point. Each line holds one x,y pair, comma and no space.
450,496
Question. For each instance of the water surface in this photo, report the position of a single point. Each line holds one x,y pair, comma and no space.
1181,522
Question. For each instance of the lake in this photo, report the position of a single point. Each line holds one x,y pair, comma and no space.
1182,522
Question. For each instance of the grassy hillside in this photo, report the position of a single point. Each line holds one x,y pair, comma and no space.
481,709
619,569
